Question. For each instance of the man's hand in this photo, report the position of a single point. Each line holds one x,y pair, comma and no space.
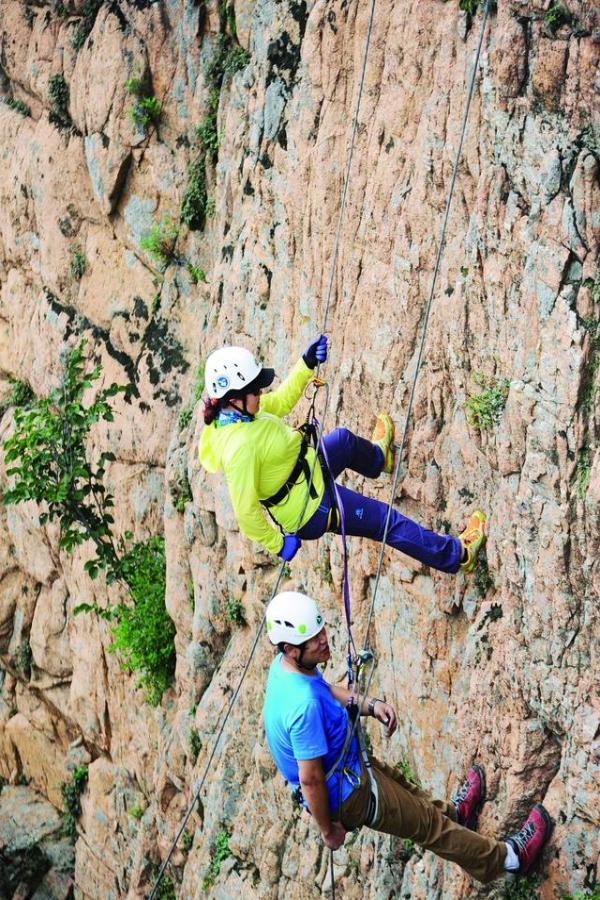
335,837
386,714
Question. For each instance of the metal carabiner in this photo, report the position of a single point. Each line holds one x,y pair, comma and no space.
352,777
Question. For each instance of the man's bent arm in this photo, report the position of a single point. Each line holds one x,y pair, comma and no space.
314,790
382,711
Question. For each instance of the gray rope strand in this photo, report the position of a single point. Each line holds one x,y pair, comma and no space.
429,304
338,234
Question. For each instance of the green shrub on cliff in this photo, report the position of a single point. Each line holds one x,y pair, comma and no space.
146,110
556,16
50,465
227,59
143,634
71,795
58,93
20,395
79,264
18,106
485,408
90,10
159,242
219,852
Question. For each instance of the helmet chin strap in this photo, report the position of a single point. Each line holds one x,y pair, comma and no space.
299,663
244,408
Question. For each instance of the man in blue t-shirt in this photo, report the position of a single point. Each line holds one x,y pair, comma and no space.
315,749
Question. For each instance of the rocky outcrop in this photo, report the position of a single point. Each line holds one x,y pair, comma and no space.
503,667
36,860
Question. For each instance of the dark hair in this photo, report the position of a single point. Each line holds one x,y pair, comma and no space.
212,408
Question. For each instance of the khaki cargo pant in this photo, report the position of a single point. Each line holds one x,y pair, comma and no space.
409,812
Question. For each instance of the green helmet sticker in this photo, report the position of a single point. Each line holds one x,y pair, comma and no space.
301,629
319,619
269,624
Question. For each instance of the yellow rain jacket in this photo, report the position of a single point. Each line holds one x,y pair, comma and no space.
258,457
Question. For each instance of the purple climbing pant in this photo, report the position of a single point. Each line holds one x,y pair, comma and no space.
365,517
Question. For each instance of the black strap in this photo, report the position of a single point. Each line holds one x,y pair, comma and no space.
301,467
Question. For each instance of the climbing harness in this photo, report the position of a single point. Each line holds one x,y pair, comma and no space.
301,470
355,663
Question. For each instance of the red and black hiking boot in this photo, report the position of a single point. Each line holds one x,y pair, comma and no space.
529,842
469,798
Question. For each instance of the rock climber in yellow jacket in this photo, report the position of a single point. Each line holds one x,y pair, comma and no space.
267,466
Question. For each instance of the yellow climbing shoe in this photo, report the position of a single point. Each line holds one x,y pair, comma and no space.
473,538
383,437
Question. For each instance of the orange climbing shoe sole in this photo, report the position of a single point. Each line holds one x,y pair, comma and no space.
383,437
473,540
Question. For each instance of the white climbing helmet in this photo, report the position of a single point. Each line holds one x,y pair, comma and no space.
233,369
293,617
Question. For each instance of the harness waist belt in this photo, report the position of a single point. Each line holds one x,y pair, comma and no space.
301,467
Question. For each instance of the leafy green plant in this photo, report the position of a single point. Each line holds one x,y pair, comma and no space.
166,889
146,110
71,794
482,580
187,839
48,450
79,264
24,657
592,893
58,93
181,492
185,416
556,16
18,106
228,58
521,888
405,768
219,853
590,386
484,409
197,275
144,633
60,9
583,472
234,611
159,242
211,207
90,10
136,811
195,744
19,395
193,204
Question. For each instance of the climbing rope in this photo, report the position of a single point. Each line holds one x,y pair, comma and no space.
257,635
442,241
338,232
401,447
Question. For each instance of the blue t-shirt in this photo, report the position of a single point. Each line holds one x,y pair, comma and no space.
303,720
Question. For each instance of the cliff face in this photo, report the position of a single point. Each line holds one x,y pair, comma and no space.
501,668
